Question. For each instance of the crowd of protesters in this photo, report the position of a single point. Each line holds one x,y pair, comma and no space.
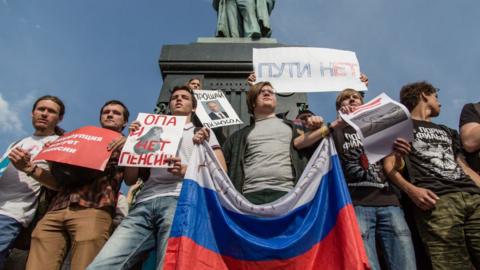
421,201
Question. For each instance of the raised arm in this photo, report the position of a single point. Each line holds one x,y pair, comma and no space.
204,134
317,131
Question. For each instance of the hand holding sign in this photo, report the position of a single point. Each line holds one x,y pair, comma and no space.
202,135
116,144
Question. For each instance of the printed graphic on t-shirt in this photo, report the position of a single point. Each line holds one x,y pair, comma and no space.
433,147
358,171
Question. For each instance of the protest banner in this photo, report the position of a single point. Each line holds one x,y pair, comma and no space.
156,140
379,123
303,69
214,110
84,147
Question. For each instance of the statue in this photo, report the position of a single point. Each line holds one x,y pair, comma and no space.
243,18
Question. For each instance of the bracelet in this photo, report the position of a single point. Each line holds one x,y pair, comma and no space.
324,131
32,171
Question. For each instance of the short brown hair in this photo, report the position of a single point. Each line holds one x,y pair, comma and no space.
410,94
344,94
185,88
125,113
253,93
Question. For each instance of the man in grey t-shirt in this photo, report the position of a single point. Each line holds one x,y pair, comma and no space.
266,158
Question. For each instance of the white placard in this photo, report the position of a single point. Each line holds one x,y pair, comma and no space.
156,140
214,110
379,123
303,69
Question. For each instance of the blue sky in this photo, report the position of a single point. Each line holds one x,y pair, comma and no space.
90,51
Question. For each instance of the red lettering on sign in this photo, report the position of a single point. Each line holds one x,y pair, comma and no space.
138,132
152,119
145,159
172,121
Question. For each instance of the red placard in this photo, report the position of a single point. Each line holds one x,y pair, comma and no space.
85,147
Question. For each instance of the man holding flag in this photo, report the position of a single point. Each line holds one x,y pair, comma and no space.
311,227
266,158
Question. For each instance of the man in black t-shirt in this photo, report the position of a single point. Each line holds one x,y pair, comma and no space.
377,207
442,186
470,134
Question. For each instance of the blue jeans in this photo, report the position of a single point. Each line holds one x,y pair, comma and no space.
9,230
146,226
388,224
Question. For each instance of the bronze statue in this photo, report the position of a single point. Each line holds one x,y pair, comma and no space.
243,18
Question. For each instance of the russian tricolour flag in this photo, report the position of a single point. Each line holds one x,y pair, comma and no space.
312,227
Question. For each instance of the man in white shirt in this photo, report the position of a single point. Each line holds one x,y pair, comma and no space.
19,188
148,223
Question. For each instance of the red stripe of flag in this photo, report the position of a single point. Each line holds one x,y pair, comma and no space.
342,248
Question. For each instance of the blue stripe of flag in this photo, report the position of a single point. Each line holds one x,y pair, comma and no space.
200,217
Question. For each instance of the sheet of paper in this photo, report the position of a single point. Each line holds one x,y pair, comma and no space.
304,69
84,147
379,123
156,140
214,110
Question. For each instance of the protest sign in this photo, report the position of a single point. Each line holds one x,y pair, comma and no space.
379,123
303,69
84,147
156,140
214,110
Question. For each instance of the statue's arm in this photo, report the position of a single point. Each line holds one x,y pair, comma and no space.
270,5
215,4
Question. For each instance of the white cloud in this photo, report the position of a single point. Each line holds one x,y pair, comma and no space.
9,120
26,102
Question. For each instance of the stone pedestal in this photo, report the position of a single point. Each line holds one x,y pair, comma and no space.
220,63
